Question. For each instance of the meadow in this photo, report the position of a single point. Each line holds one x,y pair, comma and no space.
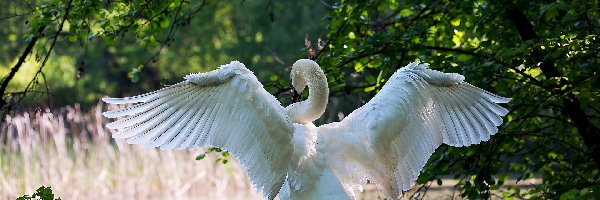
72,152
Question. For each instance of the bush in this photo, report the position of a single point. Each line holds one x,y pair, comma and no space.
43,193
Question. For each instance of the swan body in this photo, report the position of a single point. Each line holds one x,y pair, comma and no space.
387,141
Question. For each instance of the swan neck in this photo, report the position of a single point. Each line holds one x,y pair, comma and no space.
318,94
312,108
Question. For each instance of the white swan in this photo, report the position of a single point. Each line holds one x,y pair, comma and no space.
386,141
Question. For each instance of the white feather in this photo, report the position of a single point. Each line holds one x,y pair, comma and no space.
205,110
440,108
387,141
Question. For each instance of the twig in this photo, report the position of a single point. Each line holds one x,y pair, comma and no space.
169,35
275,56
139,12
39,71
326,5
15,15
335,35
18,65
46,86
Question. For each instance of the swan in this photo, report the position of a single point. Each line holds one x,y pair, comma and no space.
387,141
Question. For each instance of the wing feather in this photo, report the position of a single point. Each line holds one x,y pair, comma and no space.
147,111
183,125
415,112
157,98
140,98
226,108
160,122
174,130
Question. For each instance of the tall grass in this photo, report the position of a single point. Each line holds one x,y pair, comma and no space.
73,152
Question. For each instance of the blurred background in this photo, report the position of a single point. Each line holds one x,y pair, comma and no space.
106,55
60,57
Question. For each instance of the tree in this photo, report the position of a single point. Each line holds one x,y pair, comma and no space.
121,48
543,55
84,20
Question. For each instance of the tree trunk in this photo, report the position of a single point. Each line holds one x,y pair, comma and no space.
572,107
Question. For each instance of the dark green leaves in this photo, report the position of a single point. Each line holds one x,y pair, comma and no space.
222,156
42,193
479,40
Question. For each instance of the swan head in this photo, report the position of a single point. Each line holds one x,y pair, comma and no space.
298,81
307,73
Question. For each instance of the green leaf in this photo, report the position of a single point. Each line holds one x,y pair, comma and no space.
42,193
369,89
200,157
358,67
370,79
405,12
463,58
351,35
455,22
165,23
72,38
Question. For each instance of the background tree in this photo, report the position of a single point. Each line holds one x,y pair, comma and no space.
542,54
60,52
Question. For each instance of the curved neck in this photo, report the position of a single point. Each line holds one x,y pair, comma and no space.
307,72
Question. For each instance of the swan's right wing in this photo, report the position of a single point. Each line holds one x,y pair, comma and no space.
226,108
418,109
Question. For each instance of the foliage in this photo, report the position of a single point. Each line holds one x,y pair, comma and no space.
223,155
550,70
43,193
122,48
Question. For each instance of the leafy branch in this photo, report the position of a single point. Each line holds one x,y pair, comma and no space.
42,193
28,50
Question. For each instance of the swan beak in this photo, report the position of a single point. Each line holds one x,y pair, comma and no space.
295,95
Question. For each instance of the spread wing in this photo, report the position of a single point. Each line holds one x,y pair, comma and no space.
416,111
226,108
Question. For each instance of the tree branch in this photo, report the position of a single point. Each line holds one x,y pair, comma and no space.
26,53
532,80
15,69
54,39
15,15
589,132
461,51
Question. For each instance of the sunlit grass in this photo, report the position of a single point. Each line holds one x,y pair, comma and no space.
73,153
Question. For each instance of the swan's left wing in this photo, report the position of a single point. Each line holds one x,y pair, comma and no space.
390,139
226,108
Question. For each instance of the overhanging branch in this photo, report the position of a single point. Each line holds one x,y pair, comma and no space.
15,69
572,107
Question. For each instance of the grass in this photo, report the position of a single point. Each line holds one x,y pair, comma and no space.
72,152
